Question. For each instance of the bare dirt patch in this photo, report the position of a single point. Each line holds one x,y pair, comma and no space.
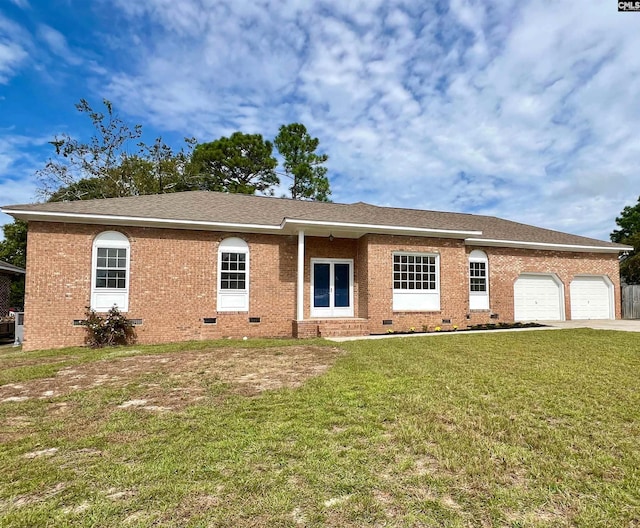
174,380
46,494
17,362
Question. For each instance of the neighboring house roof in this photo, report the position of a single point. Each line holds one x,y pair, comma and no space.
6,267
247,213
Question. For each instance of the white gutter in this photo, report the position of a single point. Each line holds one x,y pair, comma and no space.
543,246
376,228
187,224
91,218
468,236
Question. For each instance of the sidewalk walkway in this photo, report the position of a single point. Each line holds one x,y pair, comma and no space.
624,325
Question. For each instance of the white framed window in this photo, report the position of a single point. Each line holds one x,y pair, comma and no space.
416,281
233,275
110,272
478,280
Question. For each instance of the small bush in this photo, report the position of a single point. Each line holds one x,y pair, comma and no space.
110,330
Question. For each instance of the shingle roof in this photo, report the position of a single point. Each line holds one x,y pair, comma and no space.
5,266
204,206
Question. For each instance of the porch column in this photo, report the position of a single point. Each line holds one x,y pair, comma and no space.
300,287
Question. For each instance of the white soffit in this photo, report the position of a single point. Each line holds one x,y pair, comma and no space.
543,246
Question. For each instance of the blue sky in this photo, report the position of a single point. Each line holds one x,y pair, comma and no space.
526,110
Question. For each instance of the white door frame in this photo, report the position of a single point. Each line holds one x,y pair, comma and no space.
331,310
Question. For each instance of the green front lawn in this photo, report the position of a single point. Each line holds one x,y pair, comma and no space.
511,429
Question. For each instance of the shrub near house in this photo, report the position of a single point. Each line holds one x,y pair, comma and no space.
114,329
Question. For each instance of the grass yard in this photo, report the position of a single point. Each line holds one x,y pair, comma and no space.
510,429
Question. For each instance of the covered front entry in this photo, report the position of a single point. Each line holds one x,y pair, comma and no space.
331,288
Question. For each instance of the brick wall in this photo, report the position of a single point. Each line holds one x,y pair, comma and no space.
173,284
362,276
174,275
453,282
506,264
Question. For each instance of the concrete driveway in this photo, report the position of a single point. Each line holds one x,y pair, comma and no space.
626,325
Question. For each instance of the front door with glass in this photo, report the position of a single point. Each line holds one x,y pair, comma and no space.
331,288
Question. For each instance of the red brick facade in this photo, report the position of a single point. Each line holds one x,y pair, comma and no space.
173,277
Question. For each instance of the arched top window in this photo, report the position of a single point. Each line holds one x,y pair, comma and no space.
233,275
478,255
113,238
110,271
233,244
478,280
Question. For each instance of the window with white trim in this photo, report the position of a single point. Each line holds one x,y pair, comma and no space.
110,272
233,275
477,276
478,280
416,281
233,271
414,272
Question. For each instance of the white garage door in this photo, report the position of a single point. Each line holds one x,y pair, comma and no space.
537,298
591,298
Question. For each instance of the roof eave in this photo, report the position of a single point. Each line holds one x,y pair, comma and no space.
288,225
167,223
545,246
355,229
312,227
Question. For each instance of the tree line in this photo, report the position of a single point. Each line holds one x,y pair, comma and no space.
629,233
115,162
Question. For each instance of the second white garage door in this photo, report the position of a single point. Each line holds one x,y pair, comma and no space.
537,298
591,298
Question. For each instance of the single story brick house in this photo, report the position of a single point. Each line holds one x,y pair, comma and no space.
7,273
201,265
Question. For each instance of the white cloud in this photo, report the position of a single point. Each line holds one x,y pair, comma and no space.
13,49
58,45
23,4
17,171
522,110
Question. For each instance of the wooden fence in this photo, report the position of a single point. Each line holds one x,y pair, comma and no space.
631,301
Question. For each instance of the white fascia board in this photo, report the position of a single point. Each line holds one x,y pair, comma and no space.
88,218
381,229
544,246
91,218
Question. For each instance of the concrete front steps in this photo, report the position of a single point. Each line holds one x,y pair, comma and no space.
331,327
